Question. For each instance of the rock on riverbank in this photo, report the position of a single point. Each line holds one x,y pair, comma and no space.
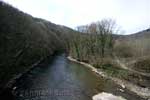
106,96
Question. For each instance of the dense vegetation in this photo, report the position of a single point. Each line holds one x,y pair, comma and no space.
94,45
25,40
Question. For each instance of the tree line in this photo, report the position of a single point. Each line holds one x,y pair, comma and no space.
93,42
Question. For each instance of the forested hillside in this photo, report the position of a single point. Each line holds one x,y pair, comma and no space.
25,40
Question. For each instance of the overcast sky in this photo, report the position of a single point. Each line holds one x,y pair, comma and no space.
130,15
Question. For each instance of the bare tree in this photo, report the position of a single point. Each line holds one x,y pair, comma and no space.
102,34
96,40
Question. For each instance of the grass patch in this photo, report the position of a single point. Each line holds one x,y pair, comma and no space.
114,71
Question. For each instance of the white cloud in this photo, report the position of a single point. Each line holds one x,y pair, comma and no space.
131,15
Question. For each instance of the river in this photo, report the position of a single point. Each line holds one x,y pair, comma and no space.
61,79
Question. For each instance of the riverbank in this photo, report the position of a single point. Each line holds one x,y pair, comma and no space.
143,92
9,86
6,90
13,80
14,77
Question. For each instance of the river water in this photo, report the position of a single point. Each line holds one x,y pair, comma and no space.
62,79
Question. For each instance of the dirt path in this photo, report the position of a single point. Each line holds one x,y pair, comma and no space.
122,65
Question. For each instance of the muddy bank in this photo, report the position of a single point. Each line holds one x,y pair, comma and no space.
143,92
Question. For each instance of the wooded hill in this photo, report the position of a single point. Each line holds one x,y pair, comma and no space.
24,40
